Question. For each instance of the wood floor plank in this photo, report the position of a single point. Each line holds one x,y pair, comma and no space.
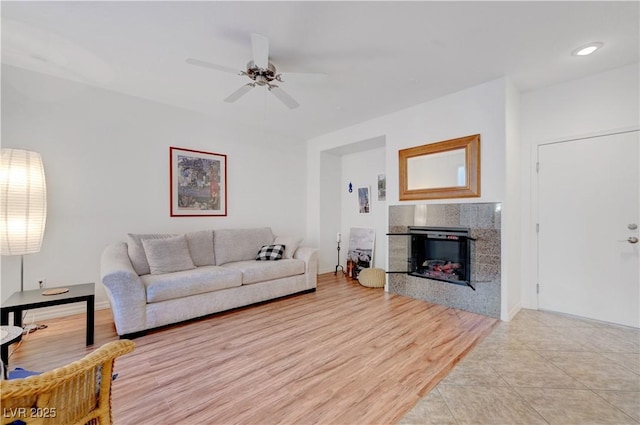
344,354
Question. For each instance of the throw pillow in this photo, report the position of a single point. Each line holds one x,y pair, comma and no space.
136,250
270,252
290,243
168,255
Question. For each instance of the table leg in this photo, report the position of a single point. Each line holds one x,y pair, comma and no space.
17,318
4,317
4,355
90,318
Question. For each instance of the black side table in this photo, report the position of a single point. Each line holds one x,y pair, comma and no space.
28,300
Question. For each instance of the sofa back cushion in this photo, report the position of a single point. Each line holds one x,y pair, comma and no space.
168,255
232,245
201,247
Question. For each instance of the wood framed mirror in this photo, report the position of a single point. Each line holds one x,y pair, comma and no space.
447,169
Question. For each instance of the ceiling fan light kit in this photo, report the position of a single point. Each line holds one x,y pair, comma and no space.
262,76
261,72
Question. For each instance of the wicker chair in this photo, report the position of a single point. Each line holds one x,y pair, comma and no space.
78,393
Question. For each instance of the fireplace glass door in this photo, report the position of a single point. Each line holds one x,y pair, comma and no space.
437,253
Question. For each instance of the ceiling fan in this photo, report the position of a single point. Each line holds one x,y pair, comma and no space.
260,71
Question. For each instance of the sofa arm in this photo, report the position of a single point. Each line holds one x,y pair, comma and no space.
125,289
310,257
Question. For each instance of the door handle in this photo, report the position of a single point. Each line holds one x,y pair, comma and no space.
632,239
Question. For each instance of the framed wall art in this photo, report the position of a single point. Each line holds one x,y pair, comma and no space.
382,187
198,185
364,204
360,254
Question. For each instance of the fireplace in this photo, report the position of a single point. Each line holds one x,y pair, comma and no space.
479,223
441,253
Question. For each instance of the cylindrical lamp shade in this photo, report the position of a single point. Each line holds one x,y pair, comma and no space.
23,202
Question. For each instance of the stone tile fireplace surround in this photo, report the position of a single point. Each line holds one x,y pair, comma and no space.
483,221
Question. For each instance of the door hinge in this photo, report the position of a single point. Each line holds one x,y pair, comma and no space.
537,288
537,167
537,227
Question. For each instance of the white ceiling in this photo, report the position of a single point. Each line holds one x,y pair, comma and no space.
379,57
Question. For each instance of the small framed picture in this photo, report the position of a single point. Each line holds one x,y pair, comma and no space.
364,204
198,183
382,187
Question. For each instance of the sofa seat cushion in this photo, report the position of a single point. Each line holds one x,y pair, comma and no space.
189,282
260,271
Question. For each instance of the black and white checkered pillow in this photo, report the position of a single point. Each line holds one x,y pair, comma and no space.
270,252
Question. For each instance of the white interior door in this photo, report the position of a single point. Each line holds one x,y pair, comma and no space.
588,206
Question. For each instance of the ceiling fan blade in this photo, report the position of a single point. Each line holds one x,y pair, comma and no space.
284,97
239,93
260,48
205,64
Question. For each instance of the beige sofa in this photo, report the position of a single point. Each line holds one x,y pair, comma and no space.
161,279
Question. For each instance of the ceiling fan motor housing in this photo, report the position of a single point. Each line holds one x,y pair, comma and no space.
262,76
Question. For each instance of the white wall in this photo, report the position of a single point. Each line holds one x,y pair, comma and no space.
106,158
361,169
512,209
592,105
331,210
358,163
480,109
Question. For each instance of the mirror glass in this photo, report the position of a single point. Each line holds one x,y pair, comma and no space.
444,169
447,169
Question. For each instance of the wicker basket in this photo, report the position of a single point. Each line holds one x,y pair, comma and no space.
372,278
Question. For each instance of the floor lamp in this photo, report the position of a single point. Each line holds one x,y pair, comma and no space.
23,204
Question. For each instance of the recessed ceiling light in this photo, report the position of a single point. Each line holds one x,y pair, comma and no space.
587,49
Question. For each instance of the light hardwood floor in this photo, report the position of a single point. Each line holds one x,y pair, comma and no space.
345,354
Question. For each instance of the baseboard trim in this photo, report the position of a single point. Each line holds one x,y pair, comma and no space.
512,313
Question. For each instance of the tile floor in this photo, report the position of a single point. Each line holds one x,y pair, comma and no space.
541,368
